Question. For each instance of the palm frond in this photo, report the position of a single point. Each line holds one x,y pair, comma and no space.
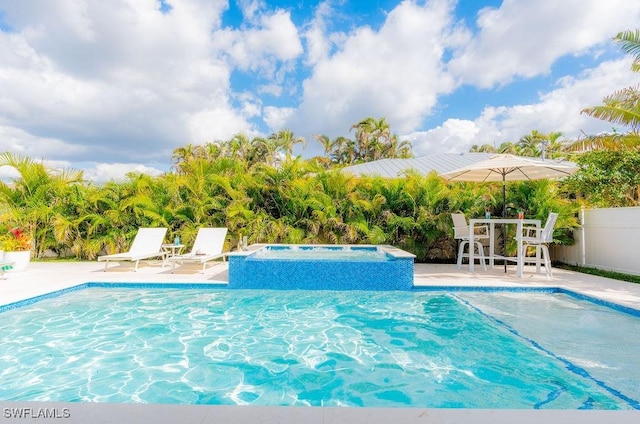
621,107
630,44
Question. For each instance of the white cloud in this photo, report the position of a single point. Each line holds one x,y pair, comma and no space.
251,8
318,45
447,138
556,111
21,142
120,78
276,118
128,83
260,49
8,173
273,89
524,38
216,124
395,72
117,171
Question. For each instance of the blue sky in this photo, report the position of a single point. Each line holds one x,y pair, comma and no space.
111,87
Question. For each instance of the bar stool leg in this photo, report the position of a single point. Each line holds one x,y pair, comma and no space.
461,252
481,254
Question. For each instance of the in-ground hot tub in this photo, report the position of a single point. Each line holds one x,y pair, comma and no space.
321,267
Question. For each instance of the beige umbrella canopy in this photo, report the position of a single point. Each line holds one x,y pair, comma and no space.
505,167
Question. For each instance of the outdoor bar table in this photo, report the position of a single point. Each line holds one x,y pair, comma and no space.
519,259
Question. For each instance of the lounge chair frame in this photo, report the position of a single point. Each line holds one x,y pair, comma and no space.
208,245
147,244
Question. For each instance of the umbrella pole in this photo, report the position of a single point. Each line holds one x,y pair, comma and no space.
504,226
504,199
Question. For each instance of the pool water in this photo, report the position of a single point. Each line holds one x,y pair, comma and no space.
315,253
331,348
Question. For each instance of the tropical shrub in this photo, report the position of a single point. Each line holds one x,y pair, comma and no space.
607,179
296,201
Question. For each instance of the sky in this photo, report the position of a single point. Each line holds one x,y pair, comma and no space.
116,86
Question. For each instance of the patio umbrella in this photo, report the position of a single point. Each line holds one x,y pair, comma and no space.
506,167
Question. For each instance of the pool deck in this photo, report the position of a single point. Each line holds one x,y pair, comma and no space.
45,277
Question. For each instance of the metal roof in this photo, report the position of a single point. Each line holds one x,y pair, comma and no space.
439,162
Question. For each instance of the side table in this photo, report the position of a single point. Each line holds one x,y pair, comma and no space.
170,250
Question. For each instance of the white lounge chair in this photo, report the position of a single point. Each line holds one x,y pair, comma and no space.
539,238
208,246
146,244
461,232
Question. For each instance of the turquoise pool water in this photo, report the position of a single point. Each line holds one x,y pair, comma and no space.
320,253
417,349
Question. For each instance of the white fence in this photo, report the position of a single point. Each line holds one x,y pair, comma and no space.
609,239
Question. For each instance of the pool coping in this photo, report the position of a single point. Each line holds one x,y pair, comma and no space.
215,414
205,286
132,413
387,248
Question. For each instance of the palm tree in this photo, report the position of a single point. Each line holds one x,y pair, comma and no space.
623,106
613,141
555,145
539,144
185,154
287,140
325,142
106,223
363,142
509,147
371,137
261,150
529,145
373,140
343,150
212,149
35,197
238,146
485,148
630,44
397,149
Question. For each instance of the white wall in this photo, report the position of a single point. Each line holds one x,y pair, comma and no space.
609,239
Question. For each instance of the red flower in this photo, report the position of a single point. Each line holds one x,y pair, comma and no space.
15,240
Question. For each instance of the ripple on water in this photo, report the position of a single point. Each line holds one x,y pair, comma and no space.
286,348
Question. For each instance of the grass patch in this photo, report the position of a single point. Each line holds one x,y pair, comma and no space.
601,273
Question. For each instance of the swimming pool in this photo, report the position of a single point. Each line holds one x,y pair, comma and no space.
333,348
321,267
